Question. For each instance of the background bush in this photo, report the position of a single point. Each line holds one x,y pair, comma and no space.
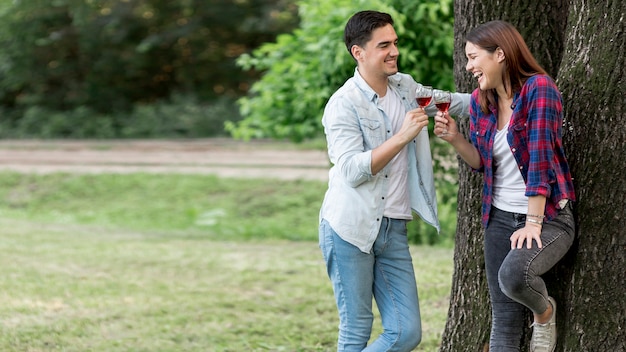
122,68
182,116
302,69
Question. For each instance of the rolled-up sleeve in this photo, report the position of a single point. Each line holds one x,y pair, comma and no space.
460,104
345,141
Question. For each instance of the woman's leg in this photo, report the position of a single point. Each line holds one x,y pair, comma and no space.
507,316
520,274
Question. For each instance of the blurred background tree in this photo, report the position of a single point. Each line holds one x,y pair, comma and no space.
102,62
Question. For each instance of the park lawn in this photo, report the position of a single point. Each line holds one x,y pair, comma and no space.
82,288
175,263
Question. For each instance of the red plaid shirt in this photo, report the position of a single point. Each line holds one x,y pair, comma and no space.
534,135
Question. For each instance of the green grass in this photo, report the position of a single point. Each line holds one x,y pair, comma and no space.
134,263
203,205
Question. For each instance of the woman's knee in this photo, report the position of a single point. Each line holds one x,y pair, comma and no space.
512,280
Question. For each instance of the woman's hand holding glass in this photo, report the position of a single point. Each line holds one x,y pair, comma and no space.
445,126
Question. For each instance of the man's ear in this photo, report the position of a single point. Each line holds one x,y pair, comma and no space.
357,52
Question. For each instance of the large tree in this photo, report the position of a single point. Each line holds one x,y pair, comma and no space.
581,44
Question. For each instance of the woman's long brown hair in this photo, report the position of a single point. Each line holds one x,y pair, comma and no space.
520,64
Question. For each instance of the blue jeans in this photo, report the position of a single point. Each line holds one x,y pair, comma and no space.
514,276
387,275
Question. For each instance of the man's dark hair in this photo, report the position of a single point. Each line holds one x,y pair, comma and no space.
359,28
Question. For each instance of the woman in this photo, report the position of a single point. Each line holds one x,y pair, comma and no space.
515,140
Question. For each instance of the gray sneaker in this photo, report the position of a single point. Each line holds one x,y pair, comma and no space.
544,335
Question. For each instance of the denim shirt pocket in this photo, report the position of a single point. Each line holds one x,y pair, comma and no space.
373,132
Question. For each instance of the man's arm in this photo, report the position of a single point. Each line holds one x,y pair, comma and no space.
458,107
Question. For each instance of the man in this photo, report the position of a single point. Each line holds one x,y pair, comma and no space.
378,142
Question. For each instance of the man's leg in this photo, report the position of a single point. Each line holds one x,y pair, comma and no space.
395,290
351,274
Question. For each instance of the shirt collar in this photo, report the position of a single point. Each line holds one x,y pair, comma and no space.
366,89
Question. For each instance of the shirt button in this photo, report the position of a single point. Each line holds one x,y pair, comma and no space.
513,150
377,219
521,167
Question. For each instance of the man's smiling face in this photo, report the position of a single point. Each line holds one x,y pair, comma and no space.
379,57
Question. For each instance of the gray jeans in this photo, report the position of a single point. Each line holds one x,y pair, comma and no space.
514,276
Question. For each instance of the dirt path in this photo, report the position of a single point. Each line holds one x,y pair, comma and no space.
222,157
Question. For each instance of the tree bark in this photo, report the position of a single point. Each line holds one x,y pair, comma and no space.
593,82
581,44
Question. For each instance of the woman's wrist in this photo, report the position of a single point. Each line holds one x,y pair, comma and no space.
536,216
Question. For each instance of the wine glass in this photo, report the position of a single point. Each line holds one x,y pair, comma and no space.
442,102
423,95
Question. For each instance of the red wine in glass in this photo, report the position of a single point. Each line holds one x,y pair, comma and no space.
443,107
442,102
423,95
423,101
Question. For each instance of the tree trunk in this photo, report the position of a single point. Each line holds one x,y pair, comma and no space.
586,49
593,82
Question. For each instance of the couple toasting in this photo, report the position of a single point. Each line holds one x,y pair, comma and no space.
382,172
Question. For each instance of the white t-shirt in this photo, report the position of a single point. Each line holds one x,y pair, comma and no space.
398,205
508,184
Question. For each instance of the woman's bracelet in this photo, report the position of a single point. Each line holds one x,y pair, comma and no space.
536,216
534,221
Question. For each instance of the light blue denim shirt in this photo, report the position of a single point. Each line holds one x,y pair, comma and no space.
355,124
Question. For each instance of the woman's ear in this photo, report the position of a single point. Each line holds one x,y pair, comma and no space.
500,55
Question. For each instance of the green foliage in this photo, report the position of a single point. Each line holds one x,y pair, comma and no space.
111,57
182,116
302,69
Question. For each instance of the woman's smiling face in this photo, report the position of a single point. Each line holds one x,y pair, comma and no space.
486,67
